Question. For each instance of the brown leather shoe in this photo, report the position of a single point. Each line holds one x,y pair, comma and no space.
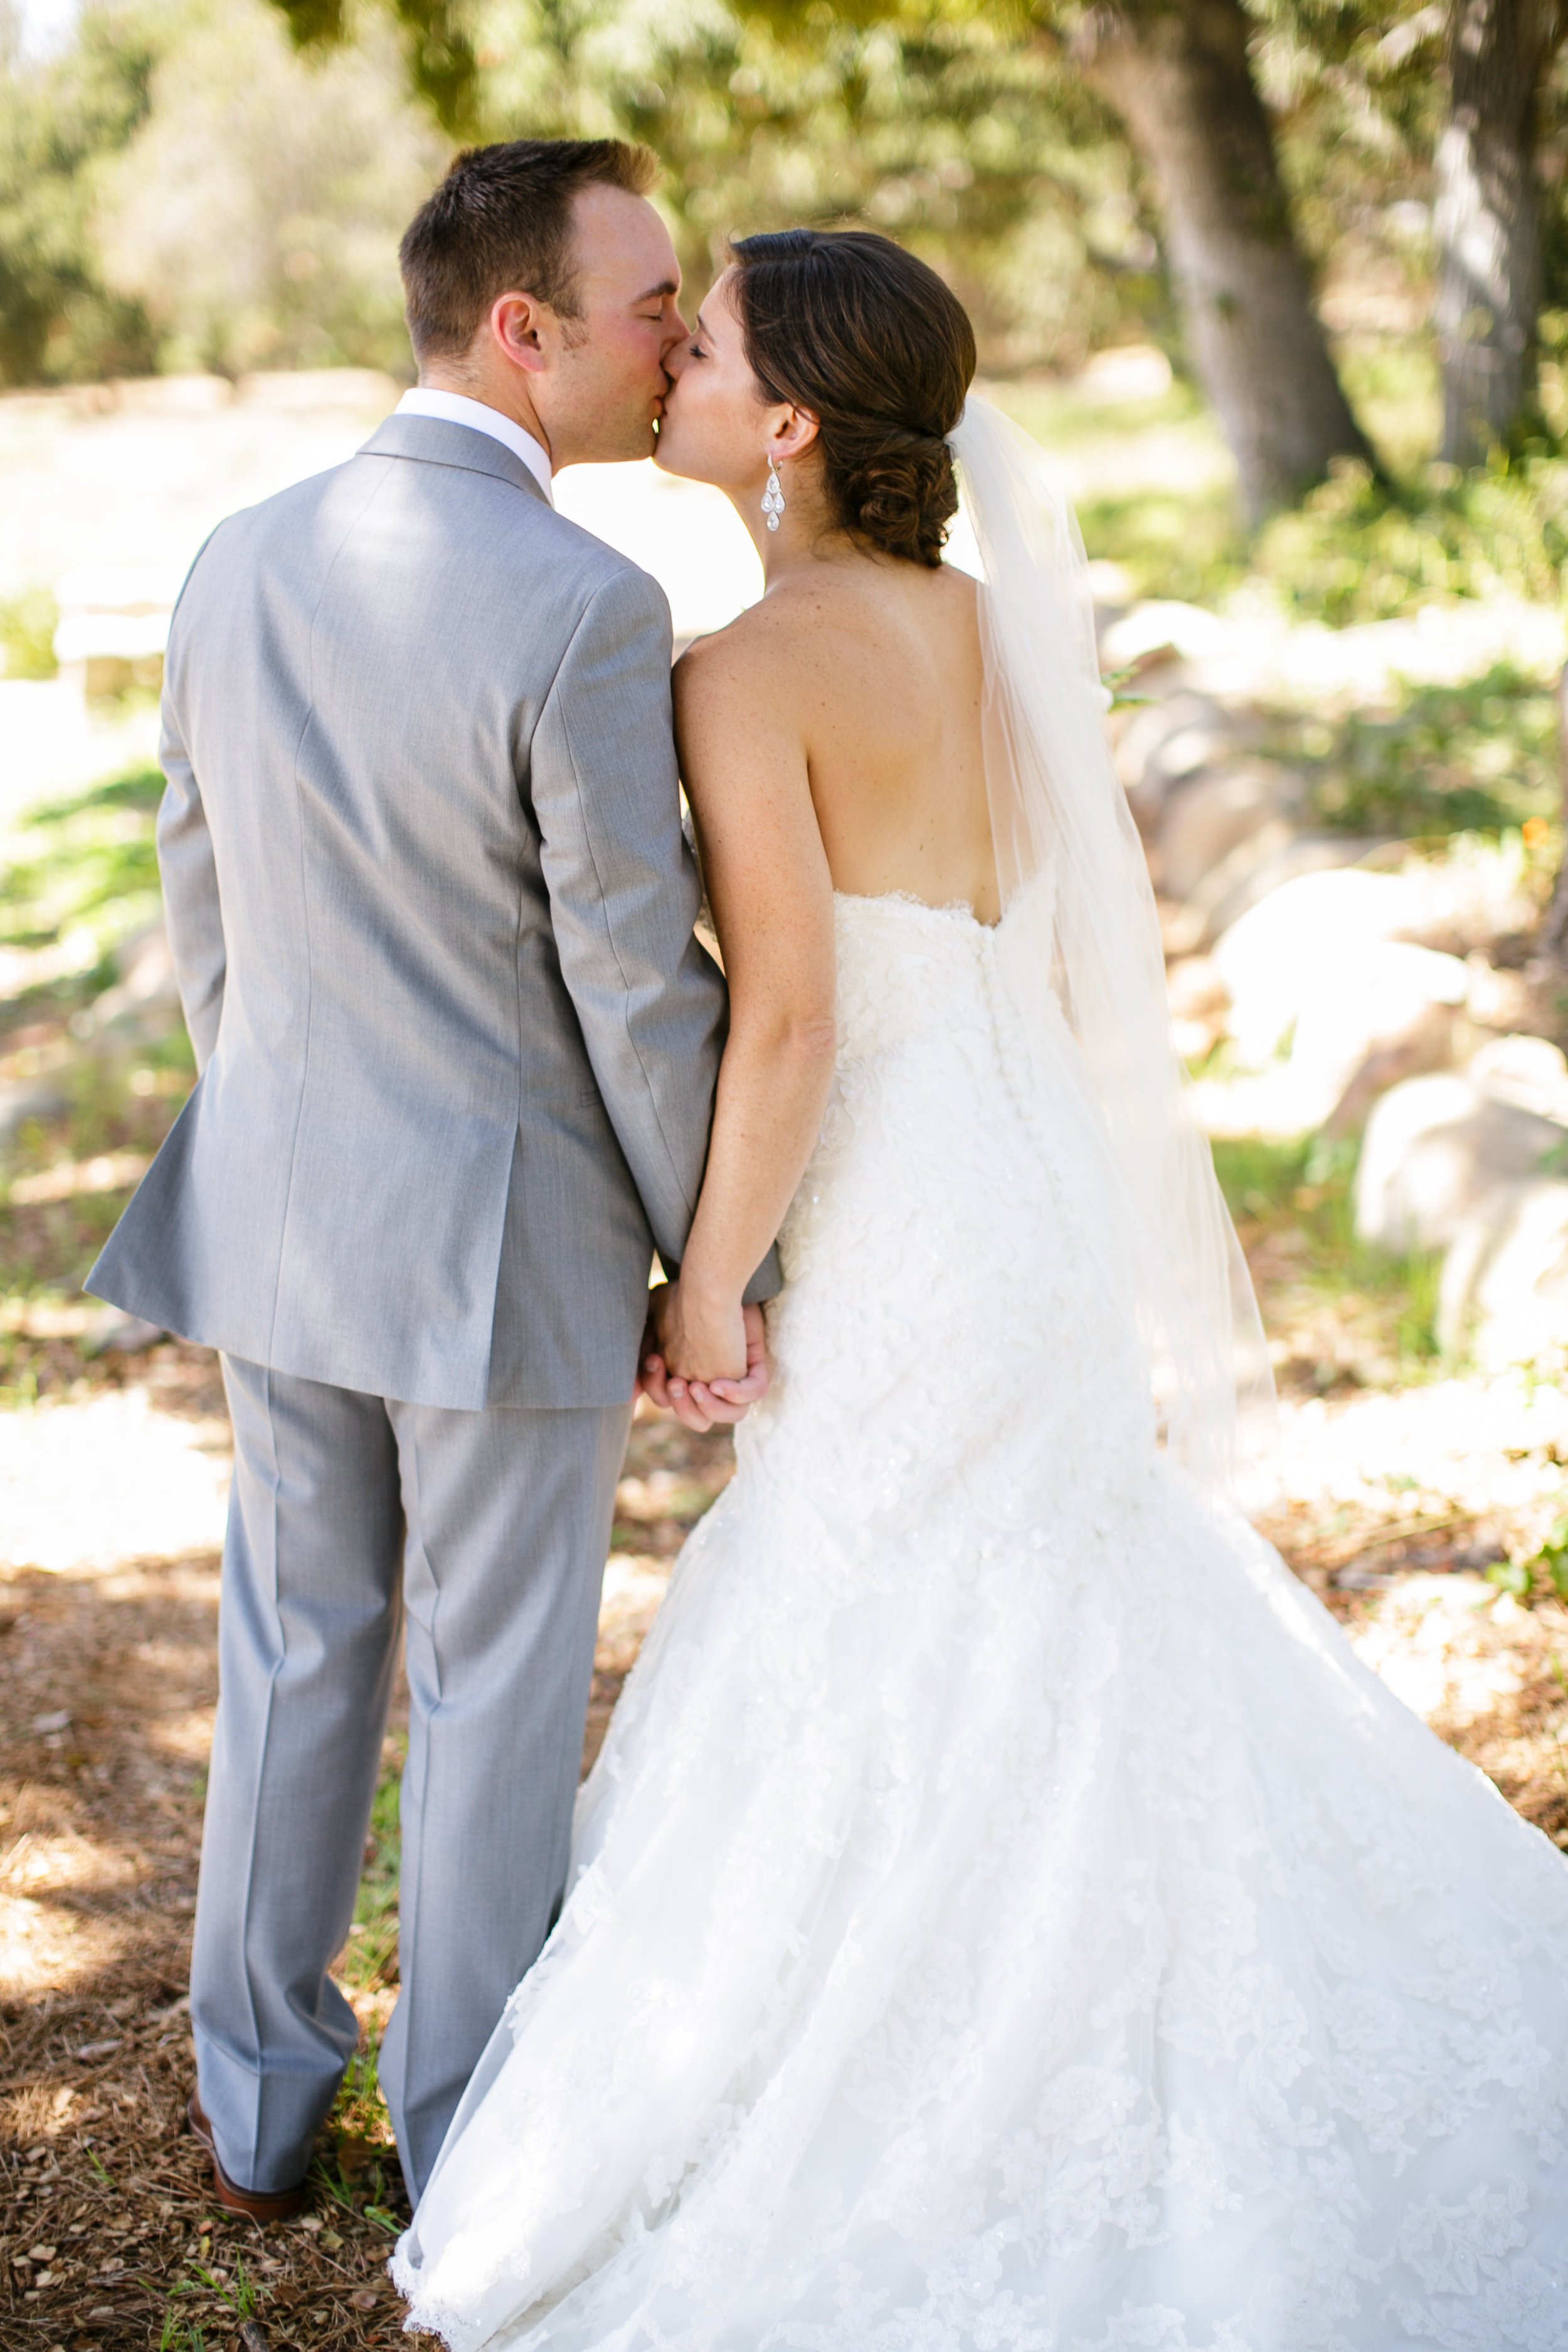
252,2204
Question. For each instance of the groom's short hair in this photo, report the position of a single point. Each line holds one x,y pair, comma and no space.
500,223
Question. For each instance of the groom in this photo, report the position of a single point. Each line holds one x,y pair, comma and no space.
432,912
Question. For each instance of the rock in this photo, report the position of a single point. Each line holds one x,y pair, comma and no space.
1378,995
1504,1289
1271,955
1163,741
1199,1001
1529,1071
113,626
1377,1015
1212,814
1196,988
116,1333
1437,1149
1148,628
1278,948
1433,1039
25,1099
144,1002
1277,854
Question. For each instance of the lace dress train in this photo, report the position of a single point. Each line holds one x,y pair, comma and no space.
1006,1916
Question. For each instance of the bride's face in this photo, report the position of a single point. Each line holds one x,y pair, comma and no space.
718,426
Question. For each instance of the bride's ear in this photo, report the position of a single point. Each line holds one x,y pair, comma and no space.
795,432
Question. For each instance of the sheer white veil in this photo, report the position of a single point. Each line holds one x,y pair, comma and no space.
1058,813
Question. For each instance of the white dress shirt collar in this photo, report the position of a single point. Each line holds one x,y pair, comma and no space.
457,408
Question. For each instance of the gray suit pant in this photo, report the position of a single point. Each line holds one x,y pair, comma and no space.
352,1517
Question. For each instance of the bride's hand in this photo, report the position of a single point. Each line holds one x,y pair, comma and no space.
683,1336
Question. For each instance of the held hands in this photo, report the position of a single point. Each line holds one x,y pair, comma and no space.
704,1362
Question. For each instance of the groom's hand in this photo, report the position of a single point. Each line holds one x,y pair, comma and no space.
699,1404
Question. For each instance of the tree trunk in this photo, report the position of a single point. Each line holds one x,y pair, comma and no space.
1486,221
1180,77
1554,922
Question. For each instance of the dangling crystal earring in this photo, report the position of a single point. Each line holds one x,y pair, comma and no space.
774,497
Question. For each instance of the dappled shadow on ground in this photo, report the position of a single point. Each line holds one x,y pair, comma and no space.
108,1684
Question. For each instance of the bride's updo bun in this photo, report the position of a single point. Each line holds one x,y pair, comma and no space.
849,326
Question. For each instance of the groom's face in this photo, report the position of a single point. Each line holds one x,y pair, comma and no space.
601,398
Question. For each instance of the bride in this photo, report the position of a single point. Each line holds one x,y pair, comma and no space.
1005,1917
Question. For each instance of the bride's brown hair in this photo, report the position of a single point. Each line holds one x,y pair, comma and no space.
850,327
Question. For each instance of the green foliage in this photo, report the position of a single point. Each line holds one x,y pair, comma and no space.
372,1955
308,170
27,625
1358,549
1480,757
1155,486
1304,1188
1193,549
241,2293
936,122
92,876
1548,1566
60,123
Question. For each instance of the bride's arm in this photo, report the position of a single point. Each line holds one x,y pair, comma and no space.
744,766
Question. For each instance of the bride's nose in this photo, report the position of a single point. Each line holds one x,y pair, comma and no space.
675,341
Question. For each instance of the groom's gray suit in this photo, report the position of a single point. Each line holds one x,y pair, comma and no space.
432,915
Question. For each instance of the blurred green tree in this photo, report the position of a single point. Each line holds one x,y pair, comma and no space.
61,121
254,214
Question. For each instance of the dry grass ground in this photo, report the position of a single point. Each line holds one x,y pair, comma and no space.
107,1690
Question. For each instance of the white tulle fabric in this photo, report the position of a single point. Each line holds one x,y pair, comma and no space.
1057,808
1005,1917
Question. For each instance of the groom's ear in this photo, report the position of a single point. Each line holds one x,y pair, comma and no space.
520,325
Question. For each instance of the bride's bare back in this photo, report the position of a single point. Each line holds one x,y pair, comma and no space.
864,674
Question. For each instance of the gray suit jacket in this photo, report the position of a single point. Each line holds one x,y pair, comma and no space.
431,912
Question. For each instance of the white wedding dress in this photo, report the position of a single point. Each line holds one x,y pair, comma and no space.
1005,1917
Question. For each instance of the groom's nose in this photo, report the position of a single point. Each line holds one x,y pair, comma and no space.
675,333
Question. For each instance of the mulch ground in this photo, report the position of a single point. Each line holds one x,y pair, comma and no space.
109,2236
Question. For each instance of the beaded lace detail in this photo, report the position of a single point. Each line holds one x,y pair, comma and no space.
1006,1916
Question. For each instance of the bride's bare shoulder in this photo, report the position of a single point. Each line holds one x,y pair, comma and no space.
752,667
816,624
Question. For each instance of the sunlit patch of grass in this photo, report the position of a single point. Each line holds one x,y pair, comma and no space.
1394,385
114,1103
1293,1201
1191,548
370,1958
179,2333
1174,526
27,625
1358,548
85,875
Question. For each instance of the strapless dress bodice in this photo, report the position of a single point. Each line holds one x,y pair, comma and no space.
912,972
